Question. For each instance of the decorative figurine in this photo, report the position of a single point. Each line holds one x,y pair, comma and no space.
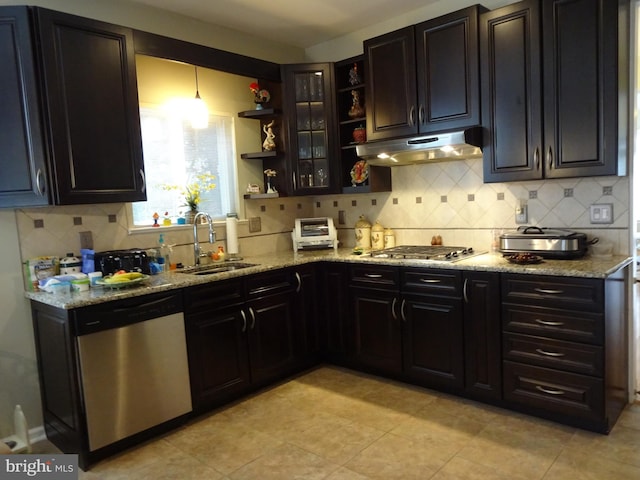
354,77
155,219
270,173
269,144
261,96
360,134
356,110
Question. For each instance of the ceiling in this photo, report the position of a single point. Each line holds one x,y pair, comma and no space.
301,23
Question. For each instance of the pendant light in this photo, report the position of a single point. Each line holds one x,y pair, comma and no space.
199,113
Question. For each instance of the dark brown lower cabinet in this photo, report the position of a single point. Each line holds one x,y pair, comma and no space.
565,346
334,327
482,327
248,332
377,330
272,337
433,340
218,355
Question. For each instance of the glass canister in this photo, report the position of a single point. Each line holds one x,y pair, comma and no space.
377,236
363,233
389,238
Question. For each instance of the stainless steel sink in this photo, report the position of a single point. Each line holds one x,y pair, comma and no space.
215,268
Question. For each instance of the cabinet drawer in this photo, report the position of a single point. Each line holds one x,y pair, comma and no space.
544,352
213,295
270,283
583,294
553,323
376,276
554,391
428,281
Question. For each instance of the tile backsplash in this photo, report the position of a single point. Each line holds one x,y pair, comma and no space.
447,199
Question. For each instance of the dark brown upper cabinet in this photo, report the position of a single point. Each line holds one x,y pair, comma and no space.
310,112
71,126
550,89
424,78
92,112
23,181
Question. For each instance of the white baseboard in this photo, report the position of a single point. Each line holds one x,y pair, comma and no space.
36,434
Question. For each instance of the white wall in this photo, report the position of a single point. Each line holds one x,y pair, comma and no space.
18,372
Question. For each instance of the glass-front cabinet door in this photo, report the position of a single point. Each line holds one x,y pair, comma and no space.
309,98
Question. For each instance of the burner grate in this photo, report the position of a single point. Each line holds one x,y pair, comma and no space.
426,252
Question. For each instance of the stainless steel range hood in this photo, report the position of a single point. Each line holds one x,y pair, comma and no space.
439,147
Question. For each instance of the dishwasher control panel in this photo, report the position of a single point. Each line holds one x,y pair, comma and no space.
95,318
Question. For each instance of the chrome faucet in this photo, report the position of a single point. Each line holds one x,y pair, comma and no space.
212,235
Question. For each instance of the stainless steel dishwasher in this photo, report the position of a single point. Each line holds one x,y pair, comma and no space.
133,366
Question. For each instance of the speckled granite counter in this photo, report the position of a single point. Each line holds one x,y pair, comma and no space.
586,267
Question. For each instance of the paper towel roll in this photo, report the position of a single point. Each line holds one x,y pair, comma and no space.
232,233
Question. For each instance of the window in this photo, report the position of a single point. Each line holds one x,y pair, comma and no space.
175,154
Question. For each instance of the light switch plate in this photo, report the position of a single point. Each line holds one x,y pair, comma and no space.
601,213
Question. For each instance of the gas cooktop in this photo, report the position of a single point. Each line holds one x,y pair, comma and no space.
441,253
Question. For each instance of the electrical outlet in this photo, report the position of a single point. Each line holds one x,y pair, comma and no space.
255,225
521,214
601,213
86,240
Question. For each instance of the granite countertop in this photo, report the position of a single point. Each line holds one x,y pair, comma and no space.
586,267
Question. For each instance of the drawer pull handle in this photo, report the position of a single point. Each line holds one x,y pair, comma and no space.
548,292
430,280
373,275
549,354
549,324
550,391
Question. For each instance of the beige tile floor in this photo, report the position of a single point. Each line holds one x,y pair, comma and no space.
336,424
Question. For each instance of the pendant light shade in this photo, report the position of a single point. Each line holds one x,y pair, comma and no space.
199,113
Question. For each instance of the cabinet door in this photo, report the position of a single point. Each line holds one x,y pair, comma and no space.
482,329
59,378
312,137
580,87
218,355
377,331
272,337
390,77
22,161
433,343
93,113
447,68
306,321
511,92
335,308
